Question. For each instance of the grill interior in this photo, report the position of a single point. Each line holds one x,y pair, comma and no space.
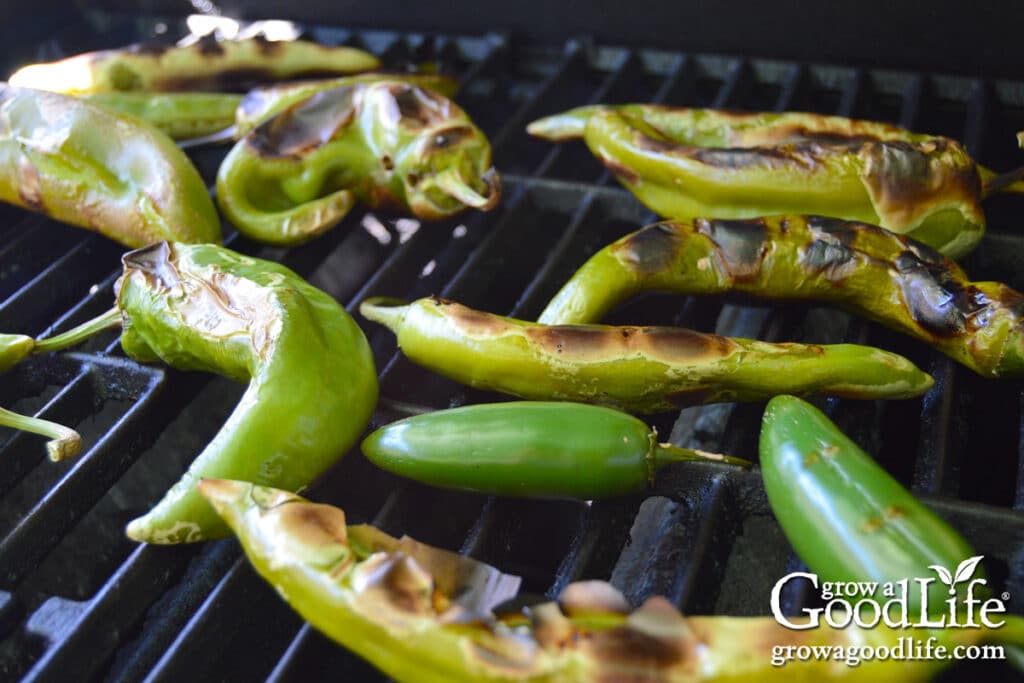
75,595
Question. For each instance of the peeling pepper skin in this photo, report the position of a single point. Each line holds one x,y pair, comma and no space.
384,144
862,268
844,515
209,64
685,163
423,615
636,369
90,166
529,449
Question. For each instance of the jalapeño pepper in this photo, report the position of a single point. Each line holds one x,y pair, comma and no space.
865,269
424,615
529,449
684,163
637,369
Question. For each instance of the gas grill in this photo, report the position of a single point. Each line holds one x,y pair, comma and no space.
78,601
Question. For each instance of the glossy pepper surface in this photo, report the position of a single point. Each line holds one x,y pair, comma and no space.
90,166
865,269
385,144
529,450
686,163
208,64
846,517
424,615
312,382
180,115
637,369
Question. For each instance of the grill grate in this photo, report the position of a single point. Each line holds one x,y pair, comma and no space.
76,596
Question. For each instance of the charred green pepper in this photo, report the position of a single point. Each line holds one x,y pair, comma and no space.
208,64
845,516
685,163
521,449
180,115
863,268
638,369
91,166
312,383
385,144
64,442
424,615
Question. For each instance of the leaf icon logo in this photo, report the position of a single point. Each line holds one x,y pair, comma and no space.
964,571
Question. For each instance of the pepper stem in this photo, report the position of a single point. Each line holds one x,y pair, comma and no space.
451,182
64,442
111,318
1011,181
665,453
385,310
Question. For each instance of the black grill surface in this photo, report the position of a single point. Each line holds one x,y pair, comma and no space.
79,601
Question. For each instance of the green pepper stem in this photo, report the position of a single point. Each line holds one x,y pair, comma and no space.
64,442
665,453
1011,181
111,318
450,182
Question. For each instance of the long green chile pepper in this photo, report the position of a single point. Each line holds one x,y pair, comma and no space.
208,64
529,450
685,163
385,144
845,516
312,382
637,369
90,166
424,615
64,442
862,268
181,116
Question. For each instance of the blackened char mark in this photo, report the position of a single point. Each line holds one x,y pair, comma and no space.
156,262
306,126
935,300
831,248
209,46
650,250
741,243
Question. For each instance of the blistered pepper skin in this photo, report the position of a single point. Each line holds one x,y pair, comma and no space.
636,369
686,163
209,64
864,269
422,615
385,144
312,382
528,449
90,166
845,516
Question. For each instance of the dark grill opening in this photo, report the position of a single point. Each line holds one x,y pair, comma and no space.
75,595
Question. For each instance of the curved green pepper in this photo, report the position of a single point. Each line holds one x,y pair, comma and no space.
181,115
423,615
312,382
529,450
638,369
208,64
385,143
91,166
685,163
844,515
64,442
862,268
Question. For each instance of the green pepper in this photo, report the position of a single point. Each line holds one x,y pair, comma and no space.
63,442
844,515
862,268
424,615
685,163
208,64
90,166
521,449
180,115
637,369
312,382
385,143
